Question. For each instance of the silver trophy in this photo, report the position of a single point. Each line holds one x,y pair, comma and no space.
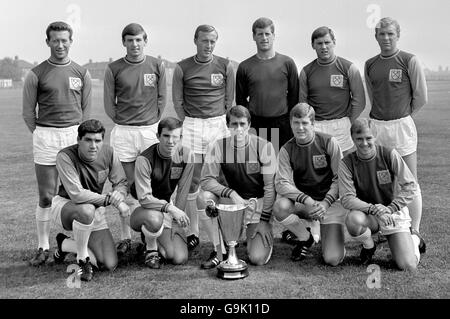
232,221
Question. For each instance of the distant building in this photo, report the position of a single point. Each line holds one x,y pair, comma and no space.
97,69
24,66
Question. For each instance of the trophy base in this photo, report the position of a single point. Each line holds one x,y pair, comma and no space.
234,272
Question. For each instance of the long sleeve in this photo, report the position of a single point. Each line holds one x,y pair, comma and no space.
284,179
303,87
109,95
29,100
418,85
293,85
229,89
72,184
358,97
211,170
268,162
241,87
335,157
347,190
86,98
142,180
369,88
408,187
177,92
117,176
185,181
162,90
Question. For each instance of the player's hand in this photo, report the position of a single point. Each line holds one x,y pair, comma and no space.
265,229
124,209
317,210
180,217
237,199
386,219
115,198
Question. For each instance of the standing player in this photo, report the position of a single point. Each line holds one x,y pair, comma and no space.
306,180
267,84
397,89
160,169
333,87
203,90
61,89
80,204
376,185
248,164
134,98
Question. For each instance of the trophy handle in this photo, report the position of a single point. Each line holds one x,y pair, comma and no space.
210,209
251,202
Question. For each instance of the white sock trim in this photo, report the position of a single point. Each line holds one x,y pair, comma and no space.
43,214
365,238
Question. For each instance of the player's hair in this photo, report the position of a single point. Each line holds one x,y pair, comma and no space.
360,125
205,28
59,26
262,23
302,110
238,111
385,22
321,32
91,126
171,123
133,29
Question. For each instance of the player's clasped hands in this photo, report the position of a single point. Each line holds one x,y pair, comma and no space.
383,214
180,217
316,210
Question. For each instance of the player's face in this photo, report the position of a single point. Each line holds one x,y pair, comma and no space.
89,146
205,42
239,127
387,38
135,46
324,47
264,39
303,129
168,140
59,44
365,143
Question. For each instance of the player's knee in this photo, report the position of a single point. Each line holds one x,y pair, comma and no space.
257,258
45,199
332,258
282,208
179,258
407,265
86,213
203,197
154,222
110,264
354,221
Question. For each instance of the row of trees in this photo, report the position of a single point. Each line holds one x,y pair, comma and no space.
10,70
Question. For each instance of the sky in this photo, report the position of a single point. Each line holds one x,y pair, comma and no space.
170,24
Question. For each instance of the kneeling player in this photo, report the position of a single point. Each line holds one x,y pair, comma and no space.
80,204
306,181
377,185
160,169
248,164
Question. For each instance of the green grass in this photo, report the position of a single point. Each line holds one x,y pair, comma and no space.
280,278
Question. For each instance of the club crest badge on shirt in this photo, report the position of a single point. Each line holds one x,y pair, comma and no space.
384,177
395,75
319,161
252,167
149,79
337,80
216,79
175,172
75,83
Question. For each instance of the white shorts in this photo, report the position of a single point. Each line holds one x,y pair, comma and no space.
58,203
339,129
400,134
335,214
129,141
48,141
199,133
402,221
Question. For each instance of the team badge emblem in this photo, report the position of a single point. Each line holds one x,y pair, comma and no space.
252,167
175,172
395,75
384,177
216,79
337,80
149,79
102,175
319,161
75,83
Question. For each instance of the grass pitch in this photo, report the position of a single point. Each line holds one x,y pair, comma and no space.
280,278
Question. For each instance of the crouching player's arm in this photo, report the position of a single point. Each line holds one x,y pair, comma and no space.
119,183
